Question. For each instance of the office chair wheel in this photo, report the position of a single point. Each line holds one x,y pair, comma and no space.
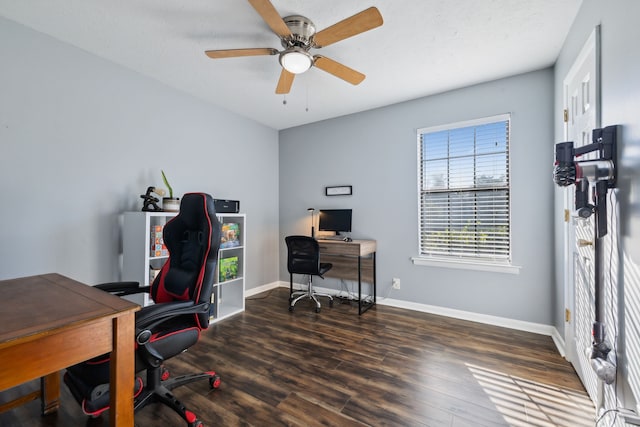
290,307
317,309
214,382
330,303
165,374
196,423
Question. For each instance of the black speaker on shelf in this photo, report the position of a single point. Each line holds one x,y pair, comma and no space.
226,206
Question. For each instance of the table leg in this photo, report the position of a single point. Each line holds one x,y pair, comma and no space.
50,393
122,371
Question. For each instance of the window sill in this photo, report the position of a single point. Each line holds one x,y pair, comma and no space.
466,265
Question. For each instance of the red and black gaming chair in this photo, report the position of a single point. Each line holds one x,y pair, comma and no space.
182,295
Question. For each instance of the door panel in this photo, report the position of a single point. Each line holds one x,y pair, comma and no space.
581,88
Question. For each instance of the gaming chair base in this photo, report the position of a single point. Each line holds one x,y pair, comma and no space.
157,390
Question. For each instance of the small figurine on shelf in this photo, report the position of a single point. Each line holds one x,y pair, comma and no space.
150,203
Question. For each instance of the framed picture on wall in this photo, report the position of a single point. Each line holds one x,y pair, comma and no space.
339,190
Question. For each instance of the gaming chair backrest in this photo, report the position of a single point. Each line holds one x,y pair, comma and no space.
193,240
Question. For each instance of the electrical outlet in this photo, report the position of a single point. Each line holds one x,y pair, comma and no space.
395,283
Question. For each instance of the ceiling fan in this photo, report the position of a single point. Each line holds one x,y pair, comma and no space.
298,35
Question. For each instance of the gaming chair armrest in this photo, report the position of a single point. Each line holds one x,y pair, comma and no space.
153,315
123,288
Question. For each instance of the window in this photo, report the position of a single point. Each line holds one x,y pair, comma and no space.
464,191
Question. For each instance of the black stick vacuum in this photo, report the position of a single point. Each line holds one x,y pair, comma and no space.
597,176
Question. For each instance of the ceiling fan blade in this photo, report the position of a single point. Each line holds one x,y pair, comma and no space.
285,82
366,20
339,70
271,16
232,53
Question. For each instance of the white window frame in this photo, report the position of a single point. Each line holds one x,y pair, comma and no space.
465,262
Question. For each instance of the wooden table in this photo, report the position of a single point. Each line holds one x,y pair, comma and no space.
354,260
49,322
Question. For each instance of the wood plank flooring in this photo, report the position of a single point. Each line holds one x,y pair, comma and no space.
388,367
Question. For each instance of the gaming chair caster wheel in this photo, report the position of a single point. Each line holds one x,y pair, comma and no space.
164,375
290,308
330,303
214,382
197,423
317,309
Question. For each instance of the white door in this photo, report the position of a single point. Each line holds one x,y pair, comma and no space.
581,88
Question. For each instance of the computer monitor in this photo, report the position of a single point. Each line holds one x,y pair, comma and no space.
338,220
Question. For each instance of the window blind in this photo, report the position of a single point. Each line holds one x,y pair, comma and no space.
464,191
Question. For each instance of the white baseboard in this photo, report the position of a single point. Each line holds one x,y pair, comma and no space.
520,325
474,317
254,291
559,342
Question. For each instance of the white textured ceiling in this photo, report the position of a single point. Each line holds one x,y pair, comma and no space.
423,47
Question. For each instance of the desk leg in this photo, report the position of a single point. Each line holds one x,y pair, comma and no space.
122,371
50,393
372,303
375,298
359,285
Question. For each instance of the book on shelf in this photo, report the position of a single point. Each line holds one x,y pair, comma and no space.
157,242
212,307
228,268
153,273
230,235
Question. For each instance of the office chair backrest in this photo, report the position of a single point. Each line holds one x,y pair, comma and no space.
303,255
193,240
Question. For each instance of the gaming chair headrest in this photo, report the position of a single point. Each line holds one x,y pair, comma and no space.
193,240
191,212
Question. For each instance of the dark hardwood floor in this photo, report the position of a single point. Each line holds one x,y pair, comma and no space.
388,367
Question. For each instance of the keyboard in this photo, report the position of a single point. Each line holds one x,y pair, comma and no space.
331,238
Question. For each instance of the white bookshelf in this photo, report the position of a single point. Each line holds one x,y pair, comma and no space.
139,262
228,294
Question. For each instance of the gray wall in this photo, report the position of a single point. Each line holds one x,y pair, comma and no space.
81,138
620,69
375,151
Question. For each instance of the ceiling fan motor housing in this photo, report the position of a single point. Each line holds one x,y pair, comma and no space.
302,31
296,57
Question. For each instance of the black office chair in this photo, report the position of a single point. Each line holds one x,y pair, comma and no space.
303,257
182,294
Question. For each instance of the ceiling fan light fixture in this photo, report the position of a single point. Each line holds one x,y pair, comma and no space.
296,60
